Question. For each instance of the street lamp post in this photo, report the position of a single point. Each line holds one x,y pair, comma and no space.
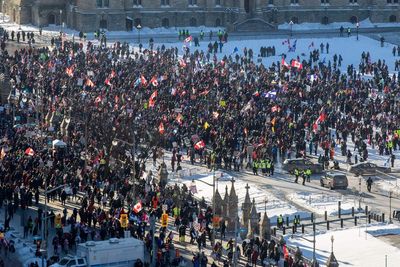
291,28
358,26
2,9
61,21
19,9
139,27
390,206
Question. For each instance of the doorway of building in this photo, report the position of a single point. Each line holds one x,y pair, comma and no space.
247,6
129,24
51,19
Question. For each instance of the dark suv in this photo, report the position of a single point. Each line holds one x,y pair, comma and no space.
334,180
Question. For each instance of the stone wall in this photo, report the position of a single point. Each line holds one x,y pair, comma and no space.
85,15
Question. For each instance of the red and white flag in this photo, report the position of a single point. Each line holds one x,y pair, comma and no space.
138,207
152,100
143,80
199,145
182,63
188,39
284,63
179,118
89,82
154,81
29,151
297,64
98,99
161,129
70,71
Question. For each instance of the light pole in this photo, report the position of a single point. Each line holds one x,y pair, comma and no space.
291,28
19,9
359,193
61,21
139,27
2,9
390,206
357,25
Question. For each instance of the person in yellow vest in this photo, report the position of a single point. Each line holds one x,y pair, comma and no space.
296,174
308,174
279,221
255,167
176,211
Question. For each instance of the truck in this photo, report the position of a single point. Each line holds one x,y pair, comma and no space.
114,252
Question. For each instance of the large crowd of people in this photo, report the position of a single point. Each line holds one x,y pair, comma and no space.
112,106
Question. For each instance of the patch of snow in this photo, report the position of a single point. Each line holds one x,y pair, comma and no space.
319,203
352,247
335,25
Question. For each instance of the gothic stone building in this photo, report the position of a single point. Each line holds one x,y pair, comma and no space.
240,15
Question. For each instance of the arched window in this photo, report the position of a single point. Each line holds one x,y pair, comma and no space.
165,23
392,18
295,20
353,19
51,18
193,22
103,24
325,20
138,22
218,23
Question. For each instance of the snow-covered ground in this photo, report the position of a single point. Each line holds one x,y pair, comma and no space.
335,25
319,203
276,204
358,246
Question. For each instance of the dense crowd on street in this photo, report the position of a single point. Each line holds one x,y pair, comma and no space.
113,106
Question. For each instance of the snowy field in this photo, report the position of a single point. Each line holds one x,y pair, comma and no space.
336,25
319,203
276,204
352,247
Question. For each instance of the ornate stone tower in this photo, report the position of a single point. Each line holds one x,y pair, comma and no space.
253,223
232,207
265,227
225,203
218,203
246,206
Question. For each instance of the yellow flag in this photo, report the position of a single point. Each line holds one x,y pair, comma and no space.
206,125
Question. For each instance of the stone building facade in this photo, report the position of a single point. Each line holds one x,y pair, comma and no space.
240,15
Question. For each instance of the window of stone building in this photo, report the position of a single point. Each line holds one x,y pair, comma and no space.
193,22
353,1
218,22
165,23
217,2
271,2
137,2
192,2
102,3
392,18
294,2
165,2
324,2
325,20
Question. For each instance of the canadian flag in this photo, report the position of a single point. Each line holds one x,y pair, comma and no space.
161,129
143,80
297,64
199,145
98,99
321,118
179,118
188,39
113,74
107,82
283,63
154,81
29,151
152,99
138,207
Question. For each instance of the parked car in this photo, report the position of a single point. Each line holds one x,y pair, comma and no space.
334,180
363,168
290,165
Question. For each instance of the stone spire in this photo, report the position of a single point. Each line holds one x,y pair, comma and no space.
246,207
265,227
225,203
253,221
232,207
218,203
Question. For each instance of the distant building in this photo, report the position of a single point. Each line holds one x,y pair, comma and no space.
242,15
